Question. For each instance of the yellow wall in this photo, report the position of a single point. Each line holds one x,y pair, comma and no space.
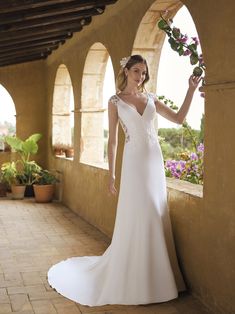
27,86
204,228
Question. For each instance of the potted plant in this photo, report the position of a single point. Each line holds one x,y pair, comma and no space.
14,178
7,147
26,149
69,151
58,149
44,185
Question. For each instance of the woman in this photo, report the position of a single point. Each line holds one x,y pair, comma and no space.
140,265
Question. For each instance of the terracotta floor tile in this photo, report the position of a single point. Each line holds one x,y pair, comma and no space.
64,306
31,278
4,298
5,309
16,290
43,307
20,302
3,291
106,308
12,276
48,295
33,237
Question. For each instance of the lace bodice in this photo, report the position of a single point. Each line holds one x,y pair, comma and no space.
139,129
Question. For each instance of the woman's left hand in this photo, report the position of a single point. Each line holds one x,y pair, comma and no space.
194,82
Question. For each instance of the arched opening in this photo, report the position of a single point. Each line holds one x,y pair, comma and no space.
174,71
150,46
97,86
7,116
63,109
169,75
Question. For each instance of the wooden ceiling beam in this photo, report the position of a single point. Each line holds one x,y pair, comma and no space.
69,17
28,48
25,57
22,22
58,27
27,52
21,5
31,29
52,10
13,61
29,41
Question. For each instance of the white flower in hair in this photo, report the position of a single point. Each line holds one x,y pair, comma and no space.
124,61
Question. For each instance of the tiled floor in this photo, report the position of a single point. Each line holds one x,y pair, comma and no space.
35,236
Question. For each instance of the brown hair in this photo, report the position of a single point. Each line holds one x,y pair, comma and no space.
121,80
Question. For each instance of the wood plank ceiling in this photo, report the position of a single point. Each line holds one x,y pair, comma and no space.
31,29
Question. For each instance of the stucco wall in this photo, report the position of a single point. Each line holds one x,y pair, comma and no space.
26,83
204,228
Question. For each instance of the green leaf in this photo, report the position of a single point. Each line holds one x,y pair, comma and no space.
14,142
174,107
185,124
197,71
29,147
176,32
35,137
193,59
181,50
162,25
193,48
173,43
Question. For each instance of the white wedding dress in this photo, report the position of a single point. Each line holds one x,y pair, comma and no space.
140,265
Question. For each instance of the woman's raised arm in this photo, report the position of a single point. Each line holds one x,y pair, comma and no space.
178,117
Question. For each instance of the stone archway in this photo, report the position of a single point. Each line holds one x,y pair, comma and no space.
150,46
7,115
63,107
93,107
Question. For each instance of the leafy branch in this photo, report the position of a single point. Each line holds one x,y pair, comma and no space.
179,43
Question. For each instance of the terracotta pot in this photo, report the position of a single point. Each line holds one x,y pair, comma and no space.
18,192
58,151
69,152
43,193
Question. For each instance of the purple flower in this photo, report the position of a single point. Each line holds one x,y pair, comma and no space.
176,175
200,147
183,39
193,156
187,52
196,40
202,95
168,163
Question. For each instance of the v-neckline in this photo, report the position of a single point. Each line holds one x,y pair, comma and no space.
133,107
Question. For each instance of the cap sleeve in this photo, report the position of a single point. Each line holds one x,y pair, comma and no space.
113,100
153,96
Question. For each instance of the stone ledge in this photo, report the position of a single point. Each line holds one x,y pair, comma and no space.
185,187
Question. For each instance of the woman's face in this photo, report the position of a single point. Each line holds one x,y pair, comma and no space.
136,74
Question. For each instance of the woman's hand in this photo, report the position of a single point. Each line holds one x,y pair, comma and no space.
194,82
112,189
